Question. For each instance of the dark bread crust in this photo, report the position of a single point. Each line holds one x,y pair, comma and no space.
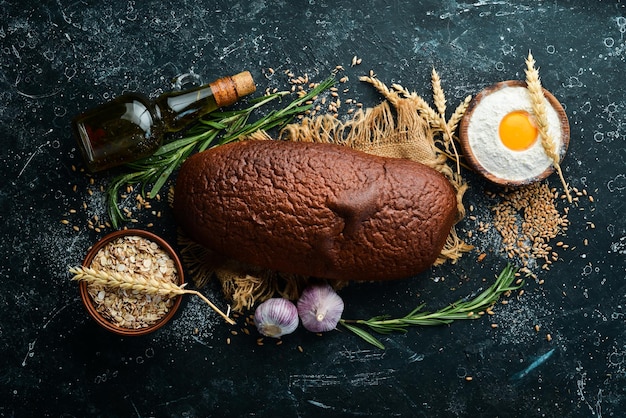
319,210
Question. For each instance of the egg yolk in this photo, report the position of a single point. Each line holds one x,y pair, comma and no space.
517,131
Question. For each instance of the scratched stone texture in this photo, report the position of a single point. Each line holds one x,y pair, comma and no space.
60,57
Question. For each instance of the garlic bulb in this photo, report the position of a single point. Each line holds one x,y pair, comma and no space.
276,317
320,308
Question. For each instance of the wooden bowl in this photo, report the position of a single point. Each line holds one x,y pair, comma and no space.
470,153
89,302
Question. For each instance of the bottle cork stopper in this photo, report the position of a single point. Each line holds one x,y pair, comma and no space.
228,90
244,84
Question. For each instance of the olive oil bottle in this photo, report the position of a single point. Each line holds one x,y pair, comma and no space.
131,126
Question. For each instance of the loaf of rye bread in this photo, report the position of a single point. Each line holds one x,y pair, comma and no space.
314,209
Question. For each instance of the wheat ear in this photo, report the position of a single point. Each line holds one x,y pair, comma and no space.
381,87
537,101
438,96
144,285
440,103
456,117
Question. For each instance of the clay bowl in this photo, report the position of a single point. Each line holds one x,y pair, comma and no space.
89,303
469,152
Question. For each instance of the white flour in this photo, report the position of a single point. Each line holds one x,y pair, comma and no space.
489,150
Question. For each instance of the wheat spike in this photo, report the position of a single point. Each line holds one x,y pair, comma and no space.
458,113
438,96
430,115
420,104
117,280
539,110
400,89
381,87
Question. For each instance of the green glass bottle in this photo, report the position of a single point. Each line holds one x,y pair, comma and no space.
131,126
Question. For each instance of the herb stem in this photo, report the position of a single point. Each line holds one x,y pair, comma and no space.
462,309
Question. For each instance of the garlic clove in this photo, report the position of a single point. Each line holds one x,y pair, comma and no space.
276,317
320,308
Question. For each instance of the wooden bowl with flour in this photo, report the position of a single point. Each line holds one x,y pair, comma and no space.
499,137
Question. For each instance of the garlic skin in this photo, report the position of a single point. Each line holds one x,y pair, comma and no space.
320,308
276,317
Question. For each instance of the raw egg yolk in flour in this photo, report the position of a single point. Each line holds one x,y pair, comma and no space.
517,131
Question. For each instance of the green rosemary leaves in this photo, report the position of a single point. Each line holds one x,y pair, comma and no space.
217,128
462,309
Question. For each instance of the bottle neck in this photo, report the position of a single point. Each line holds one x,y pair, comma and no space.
178,109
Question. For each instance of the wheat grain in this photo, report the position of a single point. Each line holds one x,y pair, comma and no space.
539,110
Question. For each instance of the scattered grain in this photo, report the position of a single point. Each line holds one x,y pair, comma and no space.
527,218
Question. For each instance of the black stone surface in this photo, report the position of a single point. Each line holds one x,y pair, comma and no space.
58,58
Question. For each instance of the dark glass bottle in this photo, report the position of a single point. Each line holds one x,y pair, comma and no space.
131,126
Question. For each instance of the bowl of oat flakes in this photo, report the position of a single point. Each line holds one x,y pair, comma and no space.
141,257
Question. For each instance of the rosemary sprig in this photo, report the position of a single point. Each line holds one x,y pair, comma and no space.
217,128
462,309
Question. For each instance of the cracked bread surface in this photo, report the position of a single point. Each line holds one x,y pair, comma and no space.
315,209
